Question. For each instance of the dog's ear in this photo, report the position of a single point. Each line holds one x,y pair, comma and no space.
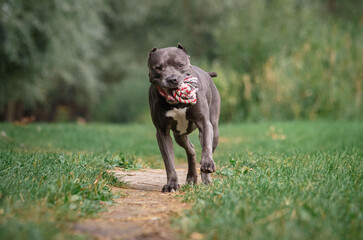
182,48
154,49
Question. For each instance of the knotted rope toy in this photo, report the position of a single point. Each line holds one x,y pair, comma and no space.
185,93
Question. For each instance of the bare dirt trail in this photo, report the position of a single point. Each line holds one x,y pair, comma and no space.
144,213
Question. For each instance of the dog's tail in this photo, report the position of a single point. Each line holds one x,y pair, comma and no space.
213,74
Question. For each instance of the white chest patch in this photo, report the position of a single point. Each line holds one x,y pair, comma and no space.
178,114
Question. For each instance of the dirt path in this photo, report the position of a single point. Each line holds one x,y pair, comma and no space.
143,214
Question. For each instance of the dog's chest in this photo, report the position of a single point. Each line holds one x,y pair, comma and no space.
179,115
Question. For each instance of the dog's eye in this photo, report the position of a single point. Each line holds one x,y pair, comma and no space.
181,65
158,68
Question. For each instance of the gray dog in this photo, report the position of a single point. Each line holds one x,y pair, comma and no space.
182,98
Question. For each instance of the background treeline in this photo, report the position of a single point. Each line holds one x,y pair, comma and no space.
276,59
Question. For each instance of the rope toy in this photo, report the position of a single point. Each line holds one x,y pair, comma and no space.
185,93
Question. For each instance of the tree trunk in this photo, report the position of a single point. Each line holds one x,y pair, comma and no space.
10,111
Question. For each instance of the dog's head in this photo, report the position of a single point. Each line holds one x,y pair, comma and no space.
168,67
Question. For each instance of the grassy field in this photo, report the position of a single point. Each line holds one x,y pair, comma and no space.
283,181
289,180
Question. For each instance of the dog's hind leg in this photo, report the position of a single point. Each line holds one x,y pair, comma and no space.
215,136
215,110
206,179
184,142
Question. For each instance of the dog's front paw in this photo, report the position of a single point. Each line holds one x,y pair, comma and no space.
170,187
208,167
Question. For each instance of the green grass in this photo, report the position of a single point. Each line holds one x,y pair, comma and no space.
289,180
133,140
43,188
41,192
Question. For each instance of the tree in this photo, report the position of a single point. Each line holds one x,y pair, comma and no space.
47,55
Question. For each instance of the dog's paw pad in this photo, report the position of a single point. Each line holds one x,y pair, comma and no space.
208,168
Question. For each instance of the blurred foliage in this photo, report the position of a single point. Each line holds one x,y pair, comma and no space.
280,59
48,52
295,59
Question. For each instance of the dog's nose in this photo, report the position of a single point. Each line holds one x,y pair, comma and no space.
172,80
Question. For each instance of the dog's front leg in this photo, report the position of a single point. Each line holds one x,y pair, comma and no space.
206,141
165,143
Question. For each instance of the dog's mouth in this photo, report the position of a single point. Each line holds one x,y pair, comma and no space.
167,94
185,92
